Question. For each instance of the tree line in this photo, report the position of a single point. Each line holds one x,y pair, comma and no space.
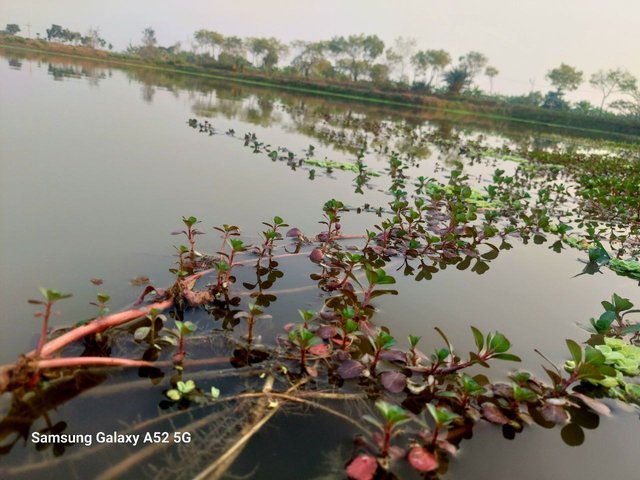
366,58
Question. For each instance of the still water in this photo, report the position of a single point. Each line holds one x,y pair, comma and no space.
97,167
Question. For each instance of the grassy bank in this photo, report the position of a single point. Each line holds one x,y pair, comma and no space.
358,91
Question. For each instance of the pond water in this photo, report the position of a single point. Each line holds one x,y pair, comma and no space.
97,168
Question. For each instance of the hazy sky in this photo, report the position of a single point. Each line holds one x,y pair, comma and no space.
522,38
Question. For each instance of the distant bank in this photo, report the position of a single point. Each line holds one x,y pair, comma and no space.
616,125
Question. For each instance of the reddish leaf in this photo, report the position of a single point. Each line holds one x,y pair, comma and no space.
350,369
288,327
396,453
554,413
160,292
393,381
321,350
493,414
316,255
294,233
342,356
593,404
423,461
363,467
311,371
326,331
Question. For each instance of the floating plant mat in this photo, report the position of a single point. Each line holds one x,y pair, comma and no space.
220,356
218,389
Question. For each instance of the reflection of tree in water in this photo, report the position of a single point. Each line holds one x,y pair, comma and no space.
15,63
59,72
234,103
148,92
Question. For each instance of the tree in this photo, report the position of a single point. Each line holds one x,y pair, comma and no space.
473,62
92,39
266,51
491,72
12,29
612,81
207,39
393,59
404,49
202,38
149,38
433,61
233,52
311,55
379,74
457,79
565,78
555,101
54,32
356,53
630,107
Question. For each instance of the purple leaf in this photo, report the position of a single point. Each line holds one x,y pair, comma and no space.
350,369
554,414
493,414
294,233
316,255
393,381
326,331
394,355
342,356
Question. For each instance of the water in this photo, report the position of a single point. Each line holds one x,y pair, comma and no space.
98,165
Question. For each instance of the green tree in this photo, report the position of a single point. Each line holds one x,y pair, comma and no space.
356,53
491,73
55,32
265,51
430,64
12,28
555,101
565,78
473,62
379,74
310,56
612,81
457,79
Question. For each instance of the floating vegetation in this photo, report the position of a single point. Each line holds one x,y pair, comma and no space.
221,366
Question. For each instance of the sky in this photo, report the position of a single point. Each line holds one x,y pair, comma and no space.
523,39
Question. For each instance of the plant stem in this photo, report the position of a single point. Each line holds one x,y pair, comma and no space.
45,328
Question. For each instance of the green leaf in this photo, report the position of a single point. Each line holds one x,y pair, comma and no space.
498,343
478,338
631,329
621,304
173,394
103,298
576,351
393,414
507,356
53,295
215,392
523,394
413,340
186,387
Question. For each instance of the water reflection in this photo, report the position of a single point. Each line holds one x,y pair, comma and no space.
263,106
